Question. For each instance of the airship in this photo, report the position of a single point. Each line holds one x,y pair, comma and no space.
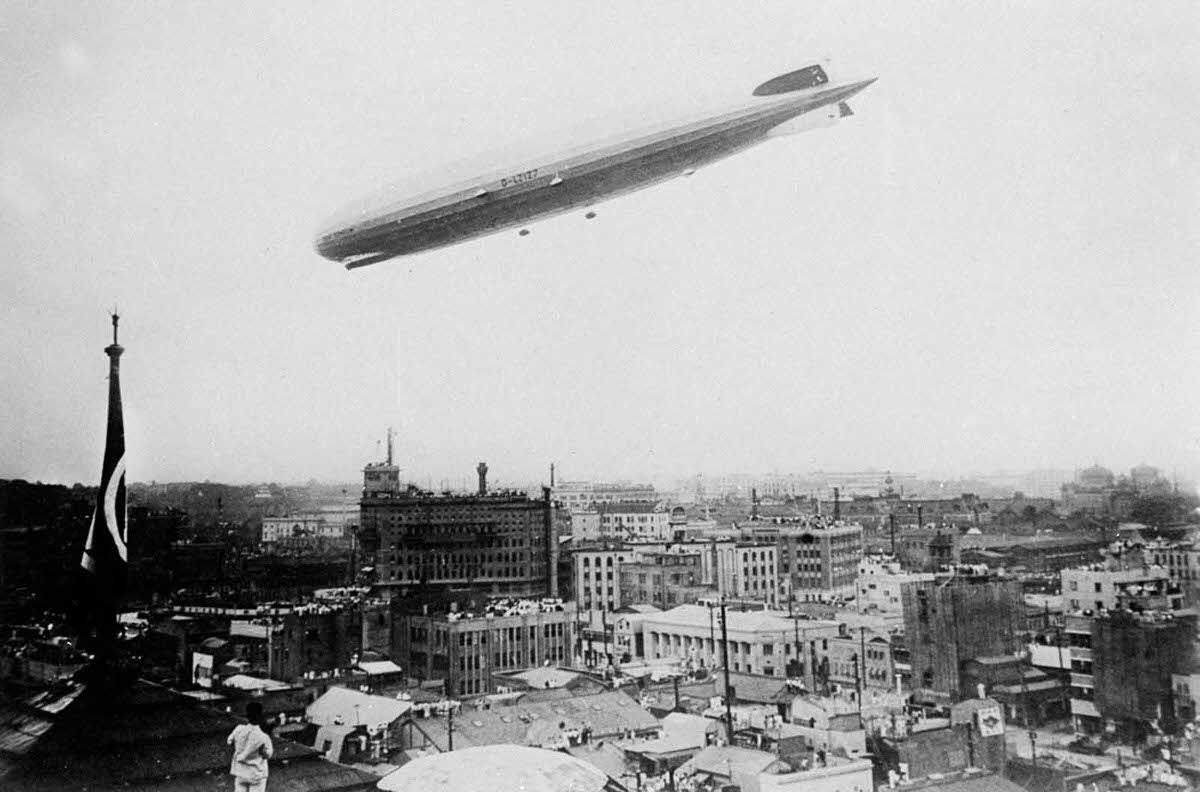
478,197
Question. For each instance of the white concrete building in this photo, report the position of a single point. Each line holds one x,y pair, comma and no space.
879,580
760,642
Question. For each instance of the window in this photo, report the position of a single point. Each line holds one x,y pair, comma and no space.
1099,587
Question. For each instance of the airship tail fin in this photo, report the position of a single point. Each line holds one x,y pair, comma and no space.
808,77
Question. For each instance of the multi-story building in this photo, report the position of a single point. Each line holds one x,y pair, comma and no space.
818,560
755,574
861,659
665,579
466,649
585,525
957,617
598,576
1135,655
503,543
729,568
1101,586
759,642
1181,560
630,521
928,549
578,495
880,579
1094,592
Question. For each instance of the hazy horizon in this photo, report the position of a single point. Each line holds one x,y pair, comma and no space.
990,266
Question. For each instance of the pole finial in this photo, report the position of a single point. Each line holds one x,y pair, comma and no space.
115,318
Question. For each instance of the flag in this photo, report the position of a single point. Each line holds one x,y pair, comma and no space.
106,553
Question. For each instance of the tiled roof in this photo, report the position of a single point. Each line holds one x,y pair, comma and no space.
760,689
608,714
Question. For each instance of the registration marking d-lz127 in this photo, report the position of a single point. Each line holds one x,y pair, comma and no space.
518,178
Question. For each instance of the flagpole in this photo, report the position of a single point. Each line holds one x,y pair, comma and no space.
105,555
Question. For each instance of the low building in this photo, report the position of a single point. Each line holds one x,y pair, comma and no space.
466,650
560,723
759,771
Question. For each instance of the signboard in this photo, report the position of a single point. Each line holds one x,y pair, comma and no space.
990,721
202,669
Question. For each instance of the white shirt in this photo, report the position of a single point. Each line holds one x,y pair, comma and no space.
251,750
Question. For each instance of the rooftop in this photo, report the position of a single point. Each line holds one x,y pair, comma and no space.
147,737
536,723
695,616
497,767
341,706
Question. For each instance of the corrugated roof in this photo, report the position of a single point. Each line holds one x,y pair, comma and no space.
339,705
378,667
728,760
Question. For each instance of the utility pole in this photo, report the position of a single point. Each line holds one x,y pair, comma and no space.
450,728
862,654
725,662
712,635
892,525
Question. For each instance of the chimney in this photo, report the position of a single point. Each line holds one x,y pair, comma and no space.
481,469
837,504
754,503
551,475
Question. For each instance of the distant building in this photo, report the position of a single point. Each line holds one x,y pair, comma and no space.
585,525
579,495
955,618
467,649
928,549
1094,491
302,529
1181,560
634,521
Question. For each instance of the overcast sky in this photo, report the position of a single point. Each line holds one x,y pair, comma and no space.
991,265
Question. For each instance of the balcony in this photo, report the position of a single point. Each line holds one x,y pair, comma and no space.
1081,653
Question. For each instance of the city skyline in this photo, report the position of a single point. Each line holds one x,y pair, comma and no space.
987,267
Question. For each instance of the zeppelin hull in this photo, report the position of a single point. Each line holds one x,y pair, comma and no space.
554,186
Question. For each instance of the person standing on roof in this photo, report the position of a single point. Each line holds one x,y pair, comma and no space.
251,749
